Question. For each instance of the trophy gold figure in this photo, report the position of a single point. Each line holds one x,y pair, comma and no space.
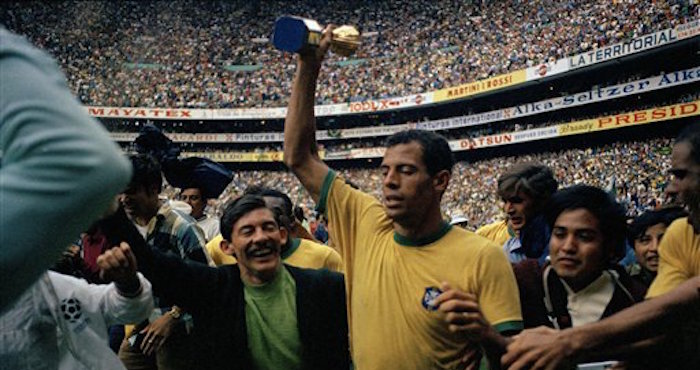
296,34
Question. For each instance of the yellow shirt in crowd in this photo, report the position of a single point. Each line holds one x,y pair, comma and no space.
303,253
679,257
391,282
497,231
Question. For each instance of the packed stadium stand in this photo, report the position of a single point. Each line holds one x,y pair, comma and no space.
594,89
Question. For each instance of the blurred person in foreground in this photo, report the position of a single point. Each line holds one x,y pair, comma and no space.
401,256
61,321
60,169
673,300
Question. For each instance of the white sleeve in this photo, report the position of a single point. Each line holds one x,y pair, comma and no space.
104,300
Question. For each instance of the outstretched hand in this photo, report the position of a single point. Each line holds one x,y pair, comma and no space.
539,348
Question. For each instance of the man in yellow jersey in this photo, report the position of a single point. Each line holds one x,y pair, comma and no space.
498,231
298,251
675,295
400,256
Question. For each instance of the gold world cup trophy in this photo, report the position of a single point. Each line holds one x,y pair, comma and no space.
296,34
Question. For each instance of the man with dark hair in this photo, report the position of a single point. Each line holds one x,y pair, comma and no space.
524,189
242,312
644,234
166,340
297,251
400,256
673,308
679,251
582,283
197,200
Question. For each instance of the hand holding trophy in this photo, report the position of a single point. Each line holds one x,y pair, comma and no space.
296,34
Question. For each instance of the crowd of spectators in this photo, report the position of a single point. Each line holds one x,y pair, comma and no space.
184,54
635,171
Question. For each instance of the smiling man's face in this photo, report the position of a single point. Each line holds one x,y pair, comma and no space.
256,241
576,248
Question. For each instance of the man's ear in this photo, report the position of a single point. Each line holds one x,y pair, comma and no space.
226,247
441,180
284,234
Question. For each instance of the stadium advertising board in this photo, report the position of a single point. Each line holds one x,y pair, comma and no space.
546,69
478,87
366,106
640,117
688,30
148,113
238,156
634,45
390,103
596,95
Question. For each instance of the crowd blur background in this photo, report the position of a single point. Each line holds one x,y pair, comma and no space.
218,54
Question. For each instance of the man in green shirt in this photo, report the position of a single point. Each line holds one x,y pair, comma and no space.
259,313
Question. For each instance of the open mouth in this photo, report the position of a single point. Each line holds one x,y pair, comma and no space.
653,260
260,252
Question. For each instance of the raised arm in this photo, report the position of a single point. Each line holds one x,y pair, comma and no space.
300,149
191,285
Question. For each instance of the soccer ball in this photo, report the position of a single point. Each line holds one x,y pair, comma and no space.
71,309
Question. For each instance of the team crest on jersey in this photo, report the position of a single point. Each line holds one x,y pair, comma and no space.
431,293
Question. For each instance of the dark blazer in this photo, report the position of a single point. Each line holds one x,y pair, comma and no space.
529,275
214,298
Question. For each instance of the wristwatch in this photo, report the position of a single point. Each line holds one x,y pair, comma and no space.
174,313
